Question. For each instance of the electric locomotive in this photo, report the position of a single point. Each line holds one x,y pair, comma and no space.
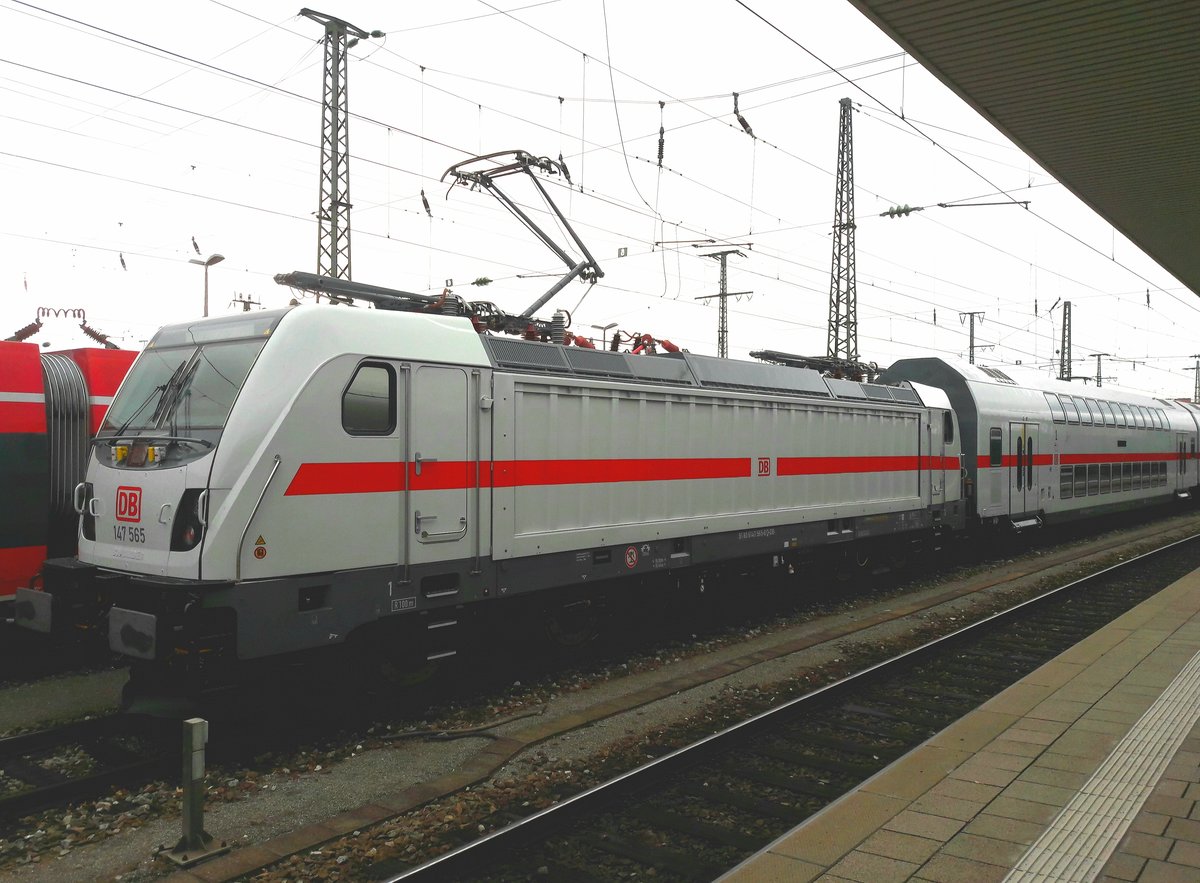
273,483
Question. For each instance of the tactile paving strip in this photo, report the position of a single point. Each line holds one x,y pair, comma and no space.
1083,836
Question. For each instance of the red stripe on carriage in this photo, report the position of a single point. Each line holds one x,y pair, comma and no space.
525,473
984,461
1069,459
17,567
346,478
23,417
364,478
849,465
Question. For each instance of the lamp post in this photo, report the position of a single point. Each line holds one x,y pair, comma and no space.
603,329
206,263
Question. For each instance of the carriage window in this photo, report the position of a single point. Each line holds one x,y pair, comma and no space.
1122,414
1056,408
947,427
1081,481
995,447
1094,407
1126,476
1106,410
1066,479
1085,416
1072,411
1160,418
1139,419
1105,477
369,402
1093,479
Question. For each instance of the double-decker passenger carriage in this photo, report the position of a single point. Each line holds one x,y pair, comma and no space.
287,480
1046,450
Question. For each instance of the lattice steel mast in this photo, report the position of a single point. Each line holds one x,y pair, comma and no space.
843,308
723,302
333,213
1064,352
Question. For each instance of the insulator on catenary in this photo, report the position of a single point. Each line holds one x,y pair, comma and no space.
558,327
28,331
97,336
661,134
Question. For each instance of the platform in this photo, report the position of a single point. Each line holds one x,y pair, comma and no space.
1088,768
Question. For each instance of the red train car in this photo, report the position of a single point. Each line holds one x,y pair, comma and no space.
50,406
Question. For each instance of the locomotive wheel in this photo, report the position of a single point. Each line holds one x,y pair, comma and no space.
393,655
852,566
572,625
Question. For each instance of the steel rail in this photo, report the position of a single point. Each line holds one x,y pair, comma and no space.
460,862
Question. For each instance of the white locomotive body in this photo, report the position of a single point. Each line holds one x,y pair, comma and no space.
282,481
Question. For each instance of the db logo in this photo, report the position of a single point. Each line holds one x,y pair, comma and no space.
129,504
764,465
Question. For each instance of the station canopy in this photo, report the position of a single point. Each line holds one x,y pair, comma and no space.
1103,94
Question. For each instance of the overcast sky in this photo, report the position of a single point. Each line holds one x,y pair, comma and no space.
130,132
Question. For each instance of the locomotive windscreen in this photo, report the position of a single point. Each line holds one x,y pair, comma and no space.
189,376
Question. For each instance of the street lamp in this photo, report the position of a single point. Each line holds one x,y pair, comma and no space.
603,329
212,259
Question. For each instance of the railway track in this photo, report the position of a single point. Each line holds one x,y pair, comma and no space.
697,812
78,761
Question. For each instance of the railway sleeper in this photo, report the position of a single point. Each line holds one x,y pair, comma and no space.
836,743
985,660
688,866
824,763
902,714
745,802
701,830
784,781
941,695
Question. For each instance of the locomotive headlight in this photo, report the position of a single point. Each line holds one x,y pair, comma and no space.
120,453
188,529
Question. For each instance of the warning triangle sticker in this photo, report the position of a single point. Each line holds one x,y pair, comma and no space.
260,541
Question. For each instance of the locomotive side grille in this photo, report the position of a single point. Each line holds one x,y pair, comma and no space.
527,354
599,362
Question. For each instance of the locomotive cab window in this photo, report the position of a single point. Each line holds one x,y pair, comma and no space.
947,427
369,402
995,447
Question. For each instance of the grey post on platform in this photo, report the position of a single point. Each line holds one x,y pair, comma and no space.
196,844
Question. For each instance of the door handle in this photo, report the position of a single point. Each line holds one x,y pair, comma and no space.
164,513
418,460
443,537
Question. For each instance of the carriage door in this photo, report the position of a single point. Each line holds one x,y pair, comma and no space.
1023,483
441,478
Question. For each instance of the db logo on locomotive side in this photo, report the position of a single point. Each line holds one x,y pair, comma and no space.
129,504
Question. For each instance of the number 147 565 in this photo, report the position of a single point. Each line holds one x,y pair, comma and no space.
125,533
